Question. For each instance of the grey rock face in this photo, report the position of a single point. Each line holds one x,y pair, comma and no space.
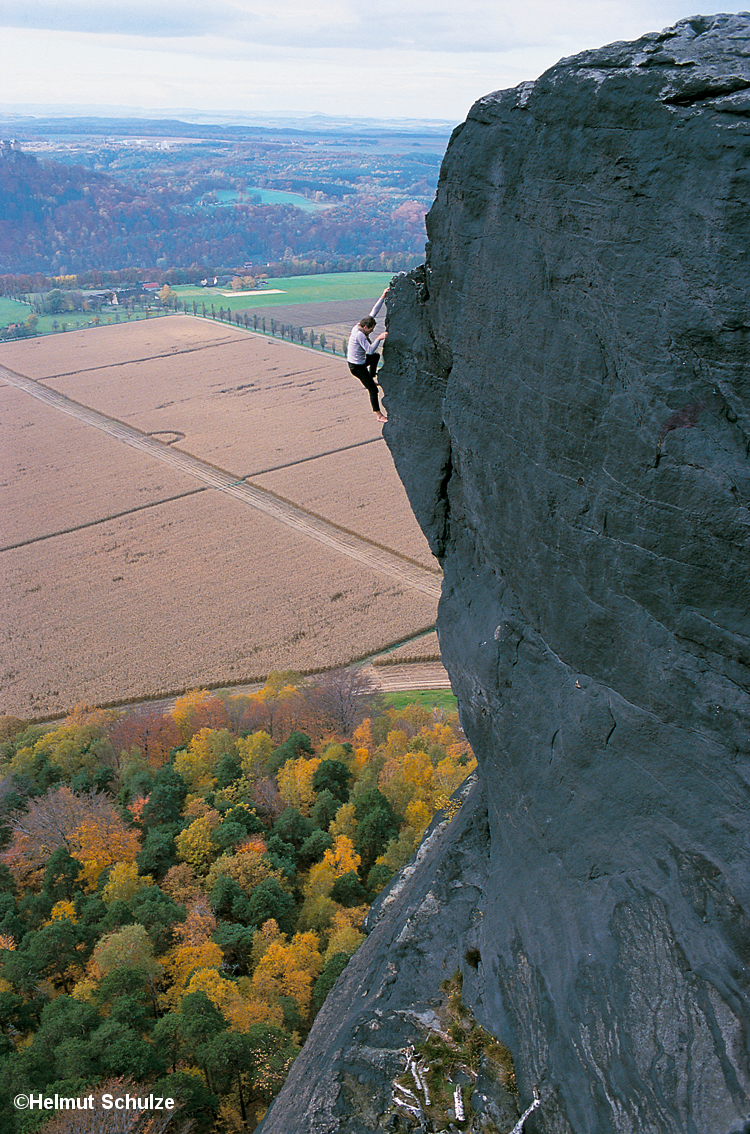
568,388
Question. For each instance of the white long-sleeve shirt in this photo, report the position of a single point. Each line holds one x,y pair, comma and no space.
359,344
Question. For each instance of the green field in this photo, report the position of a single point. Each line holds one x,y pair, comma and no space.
294,289
271,197
13,312
68,320
426,698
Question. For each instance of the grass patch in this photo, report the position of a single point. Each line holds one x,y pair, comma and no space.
77,320
330,287
448,1058
270,197
13,312
425,698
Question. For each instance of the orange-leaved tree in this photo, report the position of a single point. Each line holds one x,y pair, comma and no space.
85,823
196,710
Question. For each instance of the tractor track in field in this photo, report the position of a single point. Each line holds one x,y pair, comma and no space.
372,555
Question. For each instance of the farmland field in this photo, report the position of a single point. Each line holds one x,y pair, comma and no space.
127,572
269,197
57,474
325,288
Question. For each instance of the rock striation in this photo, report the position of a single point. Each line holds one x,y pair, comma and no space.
568,388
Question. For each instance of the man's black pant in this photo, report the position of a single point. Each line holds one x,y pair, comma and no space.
365,371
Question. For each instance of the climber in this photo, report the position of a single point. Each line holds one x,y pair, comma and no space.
362,355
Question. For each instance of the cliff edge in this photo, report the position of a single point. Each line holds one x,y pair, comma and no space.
568,388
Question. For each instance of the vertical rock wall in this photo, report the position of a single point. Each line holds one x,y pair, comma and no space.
568,384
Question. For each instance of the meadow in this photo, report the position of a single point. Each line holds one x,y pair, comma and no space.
269,197
327,287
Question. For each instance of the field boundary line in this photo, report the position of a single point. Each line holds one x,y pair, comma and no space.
346,543
194,492
136,361
345,531
404,682
314,457
102,519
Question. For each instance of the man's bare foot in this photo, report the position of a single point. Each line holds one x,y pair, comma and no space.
381,417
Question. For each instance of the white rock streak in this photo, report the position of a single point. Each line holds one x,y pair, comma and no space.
518,1128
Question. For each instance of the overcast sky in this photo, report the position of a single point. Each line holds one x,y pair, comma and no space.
392,58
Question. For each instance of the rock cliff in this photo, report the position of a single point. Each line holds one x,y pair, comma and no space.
568,386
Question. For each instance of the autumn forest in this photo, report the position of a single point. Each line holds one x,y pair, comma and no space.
181,888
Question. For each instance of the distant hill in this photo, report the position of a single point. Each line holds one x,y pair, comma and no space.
55,217
60,218
192,126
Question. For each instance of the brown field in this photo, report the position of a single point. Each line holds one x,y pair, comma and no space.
190,586
243,402
355,489
196,591
110,346
58,473
422,649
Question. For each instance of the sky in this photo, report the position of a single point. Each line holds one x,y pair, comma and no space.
293,58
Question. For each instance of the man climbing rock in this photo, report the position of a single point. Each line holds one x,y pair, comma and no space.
362,355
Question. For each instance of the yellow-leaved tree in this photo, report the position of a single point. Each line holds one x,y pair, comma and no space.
124,883
198,709
288,970
238,1001
194,950
405,777
318,908
62,911
100,843
194,845
279,698
253,753
344,823
295,783
344,933
197,763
